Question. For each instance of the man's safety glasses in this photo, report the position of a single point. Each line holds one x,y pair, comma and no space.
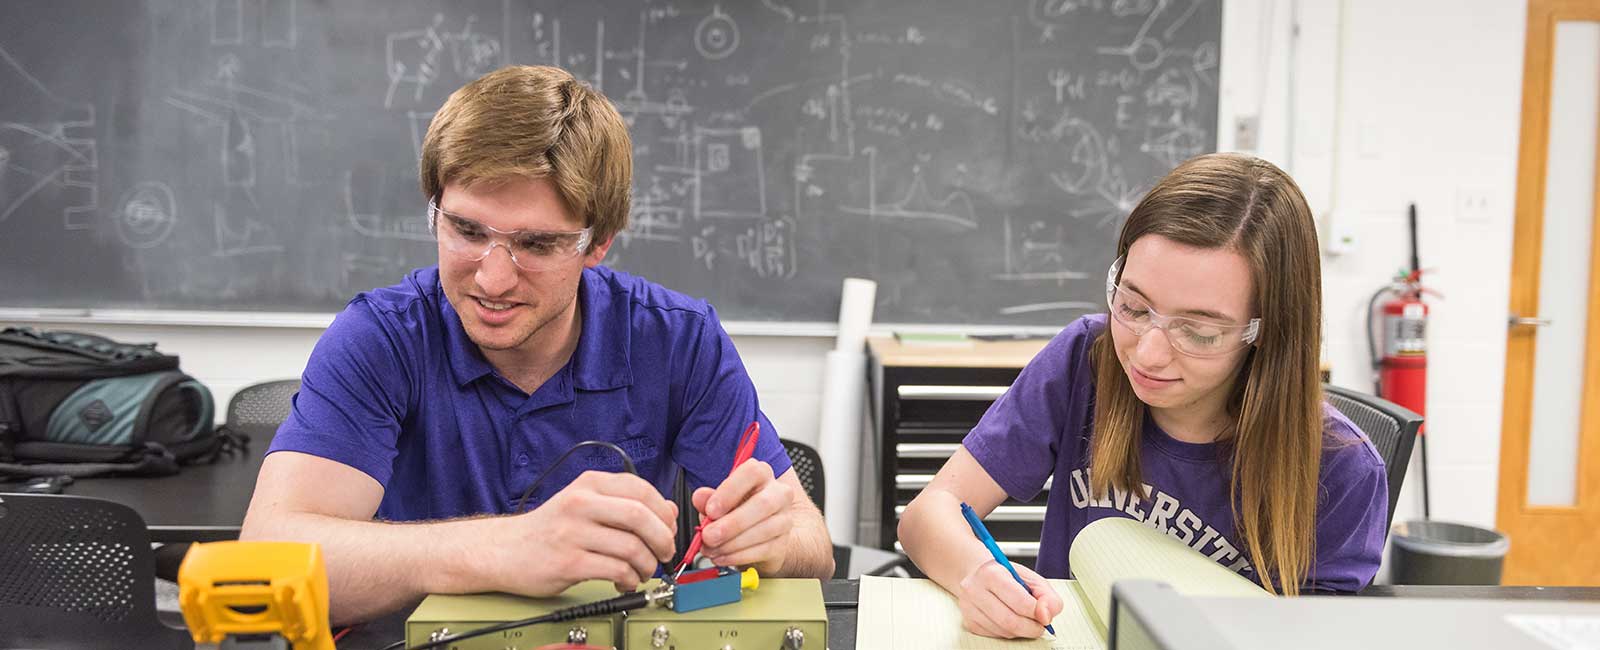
1190,336
530,250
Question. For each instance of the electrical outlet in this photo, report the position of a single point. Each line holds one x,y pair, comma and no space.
1474,204
1341,233
1246,132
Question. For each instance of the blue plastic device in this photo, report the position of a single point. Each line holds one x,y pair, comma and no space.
706,588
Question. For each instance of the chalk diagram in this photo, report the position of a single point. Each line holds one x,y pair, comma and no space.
419,64
703,170
918,203
700,180
717,36
837,108
147,215
773,141
415,58
1157,93
1176,137
275,21
243,122
48,153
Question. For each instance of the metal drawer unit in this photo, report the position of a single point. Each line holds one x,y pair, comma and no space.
925,400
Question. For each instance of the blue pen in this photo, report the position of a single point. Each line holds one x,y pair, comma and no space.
994,549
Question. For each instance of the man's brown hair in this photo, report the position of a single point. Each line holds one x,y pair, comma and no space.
530,122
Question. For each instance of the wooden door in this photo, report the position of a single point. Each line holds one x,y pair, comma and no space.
1549,487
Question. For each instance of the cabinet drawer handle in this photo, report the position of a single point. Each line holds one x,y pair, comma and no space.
1002,513
926,450
968,393
1011,549
919,481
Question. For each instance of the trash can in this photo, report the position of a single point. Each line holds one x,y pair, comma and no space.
1443,553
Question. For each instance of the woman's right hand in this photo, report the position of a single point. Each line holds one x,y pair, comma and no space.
994,605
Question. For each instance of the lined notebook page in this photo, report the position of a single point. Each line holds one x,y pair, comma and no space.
910,614
1119,549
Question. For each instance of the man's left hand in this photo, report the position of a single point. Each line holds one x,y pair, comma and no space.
753,514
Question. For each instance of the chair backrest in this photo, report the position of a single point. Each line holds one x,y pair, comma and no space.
77,572
1392,428
258,409
808,468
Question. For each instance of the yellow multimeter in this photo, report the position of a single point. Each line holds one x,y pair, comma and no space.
235,589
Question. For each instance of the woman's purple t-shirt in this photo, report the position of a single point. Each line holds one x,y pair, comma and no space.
1040,429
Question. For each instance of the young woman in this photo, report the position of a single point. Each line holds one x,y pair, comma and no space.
1194,406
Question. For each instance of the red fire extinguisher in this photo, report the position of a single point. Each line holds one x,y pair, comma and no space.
1401,371
1403,368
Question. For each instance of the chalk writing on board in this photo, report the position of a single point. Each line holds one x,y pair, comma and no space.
974,158
717,36
236,118
53,149
147,215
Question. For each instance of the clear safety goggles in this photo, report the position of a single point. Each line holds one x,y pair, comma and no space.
530,250
1190,336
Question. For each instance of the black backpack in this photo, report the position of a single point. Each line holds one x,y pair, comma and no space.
77,404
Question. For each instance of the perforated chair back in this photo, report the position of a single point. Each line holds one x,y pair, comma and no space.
808,469
1392,428
257,410
77,572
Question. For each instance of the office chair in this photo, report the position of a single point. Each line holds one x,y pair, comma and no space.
258,409
808,469
76,572
1392,428
807,465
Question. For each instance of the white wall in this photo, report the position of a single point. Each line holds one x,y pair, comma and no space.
1429,110
1429,113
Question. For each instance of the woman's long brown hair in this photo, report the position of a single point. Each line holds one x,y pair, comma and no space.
1247,205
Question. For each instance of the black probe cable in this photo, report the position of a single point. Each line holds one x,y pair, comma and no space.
627,464
625,602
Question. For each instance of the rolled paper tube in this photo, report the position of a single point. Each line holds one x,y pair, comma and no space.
855,314
839,440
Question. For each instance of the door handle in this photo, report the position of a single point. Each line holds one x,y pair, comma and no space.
1525,321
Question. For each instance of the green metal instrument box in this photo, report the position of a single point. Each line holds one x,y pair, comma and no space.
448,615
780,614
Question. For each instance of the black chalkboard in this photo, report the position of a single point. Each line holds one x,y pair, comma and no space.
975,158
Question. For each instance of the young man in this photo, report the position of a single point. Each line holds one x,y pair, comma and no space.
429,408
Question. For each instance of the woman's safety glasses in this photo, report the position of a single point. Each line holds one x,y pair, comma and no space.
530,250
1190,336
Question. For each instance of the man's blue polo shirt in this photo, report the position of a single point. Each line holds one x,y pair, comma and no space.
395,389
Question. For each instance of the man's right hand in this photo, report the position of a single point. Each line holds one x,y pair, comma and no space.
994,605
601,526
